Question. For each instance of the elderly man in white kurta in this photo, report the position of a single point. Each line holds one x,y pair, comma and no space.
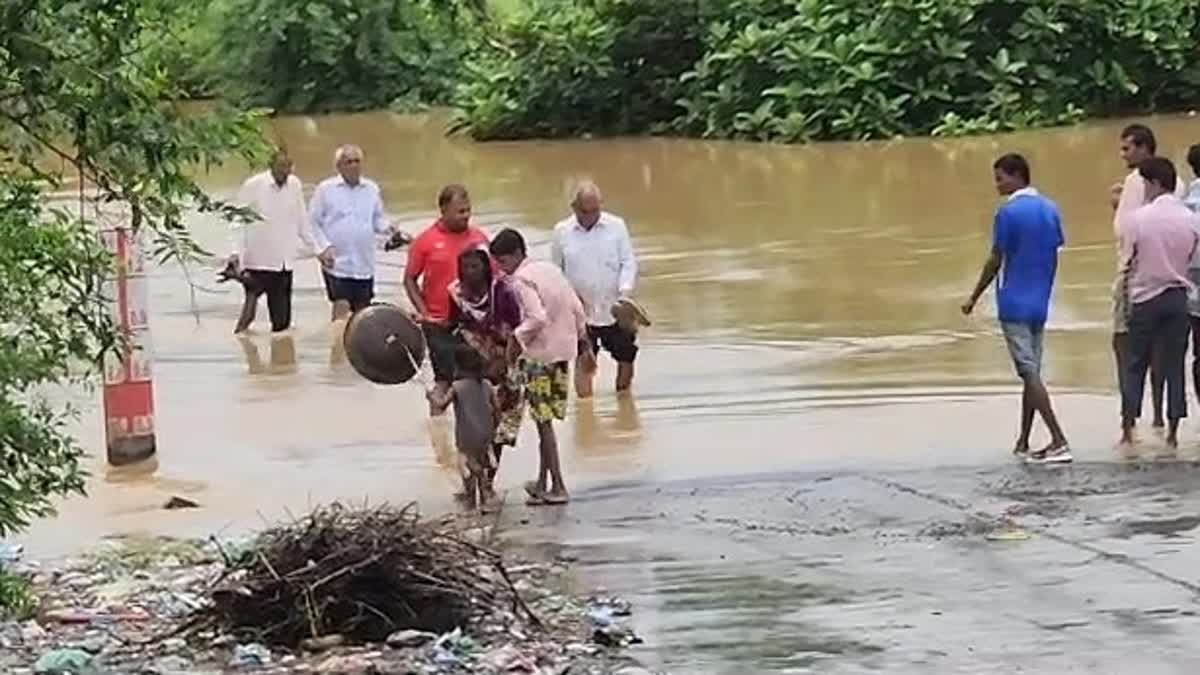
594,251
264,250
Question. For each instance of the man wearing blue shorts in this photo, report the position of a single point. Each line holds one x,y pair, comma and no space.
1026,237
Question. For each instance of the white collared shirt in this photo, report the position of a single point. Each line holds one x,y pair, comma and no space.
599,262
1133,196
272,242
1027,191
348,217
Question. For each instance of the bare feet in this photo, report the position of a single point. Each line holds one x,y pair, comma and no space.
490,504
1127,441
1172,441
465,501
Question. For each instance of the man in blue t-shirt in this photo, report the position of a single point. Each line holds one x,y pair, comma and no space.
1025,241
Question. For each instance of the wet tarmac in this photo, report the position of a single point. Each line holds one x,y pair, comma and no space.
1005,569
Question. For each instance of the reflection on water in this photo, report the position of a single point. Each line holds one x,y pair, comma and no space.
805,303
130,473
607,434
282,354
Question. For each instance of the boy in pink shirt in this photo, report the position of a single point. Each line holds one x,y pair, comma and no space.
552,333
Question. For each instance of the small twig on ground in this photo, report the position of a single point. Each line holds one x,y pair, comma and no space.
350,569
518,601
221,550
267,563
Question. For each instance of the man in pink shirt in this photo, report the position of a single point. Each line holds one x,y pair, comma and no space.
552,332
1137,145
1158,244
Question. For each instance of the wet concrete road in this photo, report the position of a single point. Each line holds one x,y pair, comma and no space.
893,571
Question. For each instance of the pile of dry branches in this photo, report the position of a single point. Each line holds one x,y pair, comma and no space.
361,573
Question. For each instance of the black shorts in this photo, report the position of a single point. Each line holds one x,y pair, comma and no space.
357,292
621,344
277,286
442,343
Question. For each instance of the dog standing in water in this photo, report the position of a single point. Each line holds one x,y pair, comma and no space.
475,417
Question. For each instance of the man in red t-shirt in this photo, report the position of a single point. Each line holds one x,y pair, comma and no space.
432,266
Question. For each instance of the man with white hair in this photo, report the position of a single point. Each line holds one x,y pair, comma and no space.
264,250
593,249
347,213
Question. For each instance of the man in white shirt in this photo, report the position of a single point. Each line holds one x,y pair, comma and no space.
347,213
593,249
264,251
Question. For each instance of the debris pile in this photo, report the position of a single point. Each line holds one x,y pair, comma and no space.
361,574
340,591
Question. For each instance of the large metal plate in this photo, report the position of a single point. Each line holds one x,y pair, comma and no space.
384,344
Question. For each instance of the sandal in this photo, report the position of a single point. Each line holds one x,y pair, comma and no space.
548,500
532,489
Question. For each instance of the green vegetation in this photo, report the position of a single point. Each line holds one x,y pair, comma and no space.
569,68
319,55
82,96
840,69
782,70
17,600
800,70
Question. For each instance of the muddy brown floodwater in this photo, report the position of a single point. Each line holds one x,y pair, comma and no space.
806,318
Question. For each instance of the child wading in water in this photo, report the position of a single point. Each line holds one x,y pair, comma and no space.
475,411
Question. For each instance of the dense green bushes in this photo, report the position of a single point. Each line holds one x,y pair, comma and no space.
590,66
797,70
312,55
844,69
789,70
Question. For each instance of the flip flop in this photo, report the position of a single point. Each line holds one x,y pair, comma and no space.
531,489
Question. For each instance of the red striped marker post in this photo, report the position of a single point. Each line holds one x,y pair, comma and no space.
128,381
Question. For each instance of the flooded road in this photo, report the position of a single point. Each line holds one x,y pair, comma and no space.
806,319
